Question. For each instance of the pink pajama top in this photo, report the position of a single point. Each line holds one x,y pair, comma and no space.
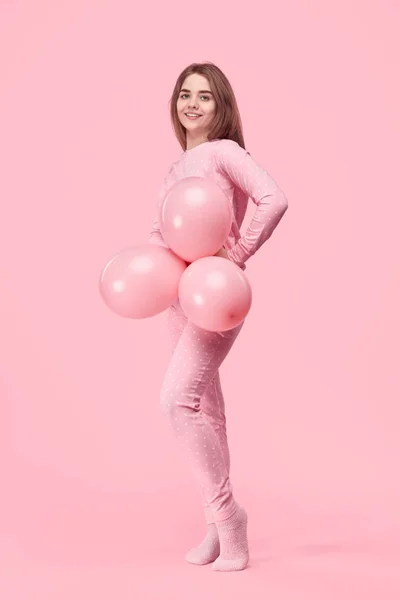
233,169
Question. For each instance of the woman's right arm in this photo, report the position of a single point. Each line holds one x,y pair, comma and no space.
155,236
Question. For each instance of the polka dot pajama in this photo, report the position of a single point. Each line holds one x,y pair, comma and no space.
233,169
192,401
191,395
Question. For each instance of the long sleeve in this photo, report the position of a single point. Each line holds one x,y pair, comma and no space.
155,236
237,164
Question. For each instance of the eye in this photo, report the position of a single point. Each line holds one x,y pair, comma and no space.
206,97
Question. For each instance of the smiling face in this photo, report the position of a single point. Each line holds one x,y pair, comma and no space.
195,98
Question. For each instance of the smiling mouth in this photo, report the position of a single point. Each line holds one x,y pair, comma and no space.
192,116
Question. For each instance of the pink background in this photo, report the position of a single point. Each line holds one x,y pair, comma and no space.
95,500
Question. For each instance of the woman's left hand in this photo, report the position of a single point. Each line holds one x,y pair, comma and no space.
222,252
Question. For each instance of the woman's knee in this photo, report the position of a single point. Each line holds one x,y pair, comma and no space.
168,402
177,403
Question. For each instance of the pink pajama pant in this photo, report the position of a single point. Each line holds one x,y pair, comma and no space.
192,400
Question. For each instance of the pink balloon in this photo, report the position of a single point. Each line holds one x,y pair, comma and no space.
141,281
195,218
215,294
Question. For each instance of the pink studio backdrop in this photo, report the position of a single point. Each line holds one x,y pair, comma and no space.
96,500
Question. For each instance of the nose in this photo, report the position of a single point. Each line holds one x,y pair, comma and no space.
193,104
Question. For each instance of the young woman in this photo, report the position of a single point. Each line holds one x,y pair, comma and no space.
207,124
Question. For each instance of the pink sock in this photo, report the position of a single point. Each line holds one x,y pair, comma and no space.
208,550
232,532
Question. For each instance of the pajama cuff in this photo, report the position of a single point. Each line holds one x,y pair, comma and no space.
208,513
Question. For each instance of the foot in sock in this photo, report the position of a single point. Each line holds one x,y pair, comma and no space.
208,550
232,533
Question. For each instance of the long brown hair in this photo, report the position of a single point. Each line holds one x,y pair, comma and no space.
227,123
